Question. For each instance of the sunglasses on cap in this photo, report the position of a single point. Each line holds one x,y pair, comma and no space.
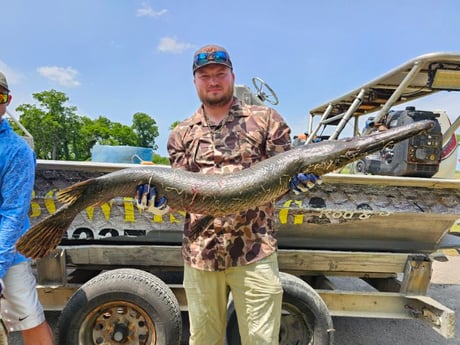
3,98
217,56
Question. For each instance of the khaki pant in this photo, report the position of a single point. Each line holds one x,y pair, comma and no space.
257,295
3,334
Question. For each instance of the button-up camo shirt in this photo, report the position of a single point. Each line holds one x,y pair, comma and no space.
249,134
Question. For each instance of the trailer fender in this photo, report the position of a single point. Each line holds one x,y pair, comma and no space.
305,318
121,306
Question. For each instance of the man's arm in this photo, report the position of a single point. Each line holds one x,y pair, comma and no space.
16,190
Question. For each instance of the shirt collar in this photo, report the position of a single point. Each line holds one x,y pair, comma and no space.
236,110
4,125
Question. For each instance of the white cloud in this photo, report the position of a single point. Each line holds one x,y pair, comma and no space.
63,76
171,45
147,11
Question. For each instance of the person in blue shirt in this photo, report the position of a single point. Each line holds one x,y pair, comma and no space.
19,305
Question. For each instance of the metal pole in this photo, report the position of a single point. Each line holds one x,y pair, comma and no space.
323,118
356,103
397,93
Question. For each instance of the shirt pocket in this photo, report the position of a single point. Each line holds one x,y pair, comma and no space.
251,146
202,149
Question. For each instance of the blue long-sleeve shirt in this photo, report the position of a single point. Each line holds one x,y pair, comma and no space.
17,176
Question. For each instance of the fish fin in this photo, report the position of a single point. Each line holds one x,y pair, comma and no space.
200,225
45,236
71,193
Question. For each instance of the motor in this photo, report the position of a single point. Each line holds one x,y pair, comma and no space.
418,156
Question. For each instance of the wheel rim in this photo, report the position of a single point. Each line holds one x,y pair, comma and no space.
295,327
118,322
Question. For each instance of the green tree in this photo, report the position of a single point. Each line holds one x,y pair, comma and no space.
99,130
174,125
123,135
146,129
83,146
60,134
106,132
157,159
52,124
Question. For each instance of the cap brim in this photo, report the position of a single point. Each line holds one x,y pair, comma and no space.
211,63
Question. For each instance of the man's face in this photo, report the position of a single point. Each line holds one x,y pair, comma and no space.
3,104
214,84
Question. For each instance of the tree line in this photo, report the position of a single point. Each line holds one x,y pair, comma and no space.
61,134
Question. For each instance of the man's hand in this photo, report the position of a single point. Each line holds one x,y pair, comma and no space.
146,198
303,182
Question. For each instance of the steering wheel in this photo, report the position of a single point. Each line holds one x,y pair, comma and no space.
271,97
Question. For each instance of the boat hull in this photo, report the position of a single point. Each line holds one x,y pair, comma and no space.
346,212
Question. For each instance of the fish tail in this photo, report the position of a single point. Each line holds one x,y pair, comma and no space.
199,226
71,193
44,237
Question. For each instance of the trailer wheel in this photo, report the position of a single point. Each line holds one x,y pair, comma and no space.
305,319
123,306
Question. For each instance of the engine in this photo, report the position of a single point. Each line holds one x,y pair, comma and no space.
418,156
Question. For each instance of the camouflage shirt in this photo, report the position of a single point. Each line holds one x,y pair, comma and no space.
249,134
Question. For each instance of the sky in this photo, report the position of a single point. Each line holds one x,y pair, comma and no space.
115,58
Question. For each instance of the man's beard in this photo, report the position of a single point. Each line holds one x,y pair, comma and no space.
218,102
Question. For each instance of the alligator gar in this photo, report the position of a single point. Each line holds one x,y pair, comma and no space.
210,195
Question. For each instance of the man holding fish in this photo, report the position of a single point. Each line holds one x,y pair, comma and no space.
236,253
